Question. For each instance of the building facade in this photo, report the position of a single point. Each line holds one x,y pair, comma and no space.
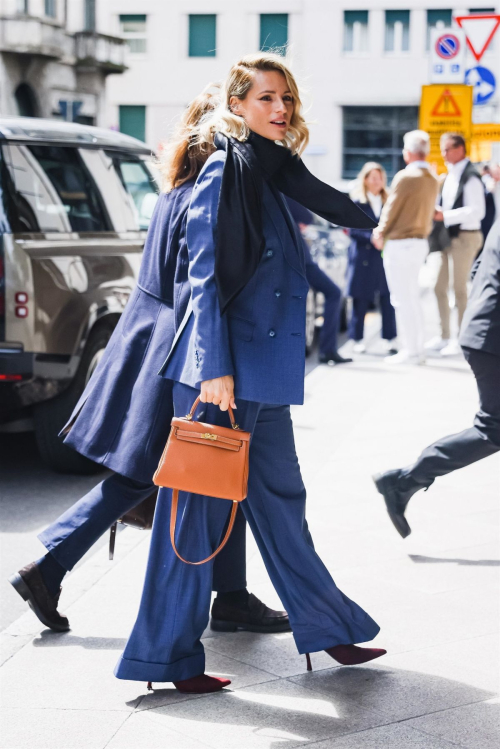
55,59
362,65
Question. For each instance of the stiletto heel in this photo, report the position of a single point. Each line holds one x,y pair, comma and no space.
150,686
308,660
352,655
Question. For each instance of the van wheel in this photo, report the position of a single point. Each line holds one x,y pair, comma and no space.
52,415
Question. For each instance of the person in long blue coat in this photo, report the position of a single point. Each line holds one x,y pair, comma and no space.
319,281
123,417
241,344
365,273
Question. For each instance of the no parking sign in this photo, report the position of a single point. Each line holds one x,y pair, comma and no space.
447,56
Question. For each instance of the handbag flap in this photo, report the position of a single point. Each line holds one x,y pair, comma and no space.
207,438
200,426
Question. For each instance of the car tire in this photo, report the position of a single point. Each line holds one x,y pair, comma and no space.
51,416
310,321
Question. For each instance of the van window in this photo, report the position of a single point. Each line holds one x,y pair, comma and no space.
139,184
34,205
74,186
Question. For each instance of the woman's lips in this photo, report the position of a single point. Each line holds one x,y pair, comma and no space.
279,123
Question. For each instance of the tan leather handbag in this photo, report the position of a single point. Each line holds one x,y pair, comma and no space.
208,460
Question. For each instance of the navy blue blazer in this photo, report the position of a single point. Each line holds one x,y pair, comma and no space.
261,338
123,417
481,323
365,270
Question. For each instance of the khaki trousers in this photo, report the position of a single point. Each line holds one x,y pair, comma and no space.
463,250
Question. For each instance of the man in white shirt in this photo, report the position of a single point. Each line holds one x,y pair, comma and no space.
462,209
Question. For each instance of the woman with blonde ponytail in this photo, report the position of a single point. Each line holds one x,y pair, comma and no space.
123,418
241,345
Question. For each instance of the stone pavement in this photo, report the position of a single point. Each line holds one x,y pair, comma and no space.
435,596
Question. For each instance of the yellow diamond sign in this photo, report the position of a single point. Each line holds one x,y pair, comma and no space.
445,108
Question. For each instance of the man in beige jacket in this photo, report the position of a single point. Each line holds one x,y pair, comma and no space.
405,224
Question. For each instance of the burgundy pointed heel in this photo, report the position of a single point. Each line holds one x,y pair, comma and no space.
202,684
350,655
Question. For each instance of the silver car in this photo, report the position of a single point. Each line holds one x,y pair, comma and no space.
75,205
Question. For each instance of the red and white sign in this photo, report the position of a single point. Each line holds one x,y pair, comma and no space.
479,31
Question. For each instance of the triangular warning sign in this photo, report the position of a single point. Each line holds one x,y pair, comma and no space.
479,31
446,106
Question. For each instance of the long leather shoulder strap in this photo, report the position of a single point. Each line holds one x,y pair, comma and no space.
173,521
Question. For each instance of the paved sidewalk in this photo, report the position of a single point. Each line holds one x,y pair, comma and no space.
435,596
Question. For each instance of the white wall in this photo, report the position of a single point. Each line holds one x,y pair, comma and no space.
165,79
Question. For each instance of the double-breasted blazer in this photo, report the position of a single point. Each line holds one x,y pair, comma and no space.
123,417
365,270
260,340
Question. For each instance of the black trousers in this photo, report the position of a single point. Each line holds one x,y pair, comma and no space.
482,439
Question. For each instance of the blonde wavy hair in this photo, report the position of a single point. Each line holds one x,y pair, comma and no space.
182,157
238,83
359,192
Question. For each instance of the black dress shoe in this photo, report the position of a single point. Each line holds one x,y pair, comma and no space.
253,616
334,358
390,485
29,583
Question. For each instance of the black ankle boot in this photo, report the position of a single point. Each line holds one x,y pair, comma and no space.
397,489
252,616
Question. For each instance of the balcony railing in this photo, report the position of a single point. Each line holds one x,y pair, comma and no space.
100,51
29,35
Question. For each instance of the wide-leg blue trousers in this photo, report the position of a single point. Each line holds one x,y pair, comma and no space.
165,642
75,531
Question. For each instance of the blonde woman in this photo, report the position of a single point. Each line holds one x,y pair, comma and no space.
365,273
243,344
123,417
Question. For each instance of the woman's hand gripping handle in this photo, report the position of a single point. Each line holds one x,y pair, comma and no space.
219,391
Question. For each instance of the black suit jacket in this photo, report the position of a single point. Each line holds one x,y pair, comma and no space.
481,322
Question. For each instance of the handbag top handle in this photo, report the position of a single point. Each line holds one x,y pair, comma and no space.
195,405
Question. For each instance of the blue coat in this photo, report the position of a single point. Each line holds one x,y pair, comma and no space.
123,417
261,338
365,271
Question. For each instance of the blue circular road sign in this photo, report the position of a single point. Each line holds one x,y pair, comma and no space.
448,46
483,81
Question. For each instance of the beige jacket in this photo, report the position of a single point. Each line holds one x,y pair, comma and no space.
409,209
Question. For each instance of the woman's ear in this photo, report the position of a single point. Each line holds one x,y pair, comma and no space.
235,105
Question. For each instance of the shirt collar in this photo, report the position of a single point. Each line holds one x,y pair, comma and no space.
457,168
419,164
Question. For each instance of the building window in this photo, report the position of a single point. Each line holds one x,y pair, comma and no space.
274,32
355,31
438,19
375,134
133,30
397,31
89,20
50,8
23,6
133,121
202,35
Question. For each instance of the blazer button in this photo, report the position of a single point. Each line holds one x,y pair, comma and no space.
269,253
277,293
272,333
365,262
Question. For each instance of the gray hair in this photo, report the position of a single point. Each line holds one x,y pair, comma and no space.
418,142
